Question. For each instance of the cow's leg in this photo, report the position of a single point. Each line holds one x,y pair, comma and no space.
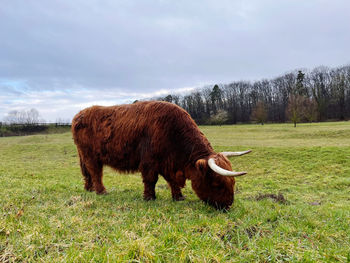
94,169
176,192
175,187
149,180
87,176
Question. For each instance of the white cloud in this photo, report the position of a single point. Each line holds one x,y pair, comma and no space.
64,104
59,56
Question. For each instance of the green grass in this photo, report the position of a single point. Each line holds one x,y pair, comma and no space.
46,216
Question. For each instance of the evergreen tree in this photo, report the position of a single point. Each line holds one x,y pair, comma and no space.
300,89
216,99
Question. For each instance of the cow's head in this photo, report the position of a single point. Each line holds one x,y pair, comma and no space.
213,179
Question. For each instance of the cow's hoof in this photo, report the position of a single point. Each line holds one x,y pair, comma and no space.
103,192
149,198
90,189
179,198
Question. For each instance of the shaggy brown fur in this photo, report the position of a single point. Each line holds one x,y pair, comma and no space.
153,138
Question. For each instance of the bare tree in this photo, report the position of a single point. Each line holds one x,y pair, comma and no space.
28,117
320,81
219,118
259,113
297,109
310,109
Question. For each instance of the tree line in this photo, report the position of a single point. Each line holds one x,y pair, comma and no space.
26,122
299,96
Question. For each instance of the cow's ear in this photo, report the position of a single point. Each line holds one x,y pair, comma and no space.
202,164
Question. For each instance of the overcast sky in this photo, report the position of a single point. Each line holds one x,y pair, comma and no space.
60,56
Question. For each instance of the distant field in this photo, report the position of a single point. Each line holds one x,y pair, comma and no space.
293,206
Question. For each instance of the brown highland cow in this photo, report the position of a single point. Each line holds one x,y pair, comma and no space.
153,138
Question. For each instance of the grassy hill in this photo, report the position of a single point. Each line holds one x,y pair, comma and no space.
294,205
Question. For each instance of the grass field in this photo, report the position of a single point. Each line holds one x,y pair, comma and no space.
293,206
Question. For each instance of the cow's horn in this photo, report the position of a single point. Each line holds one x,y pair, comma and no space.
221,171
229,154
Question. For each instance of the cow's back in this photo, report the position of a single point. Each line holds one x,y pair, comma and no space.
127,136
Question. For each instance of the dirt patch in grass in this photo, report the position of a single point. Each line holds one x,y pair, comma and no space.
228,233
277,198
251,231
315,203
